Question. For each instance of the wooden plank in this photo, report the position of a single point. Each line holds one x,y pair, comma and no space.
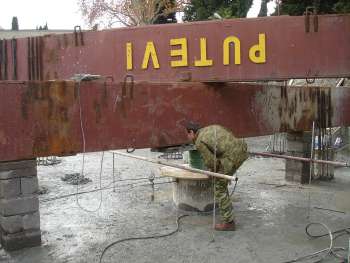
181,174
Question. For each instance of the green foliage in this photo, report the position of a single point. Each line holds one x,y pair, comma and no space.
342,6
296,7
199,10
14,23
45,27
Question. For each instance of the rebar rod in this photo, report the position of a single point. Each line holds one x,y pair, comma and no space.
301,159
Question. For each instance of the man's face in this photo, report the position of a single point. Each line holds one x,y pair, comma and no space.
191,136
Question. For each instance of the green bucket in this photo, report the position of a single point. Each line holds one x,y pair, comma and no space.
195,160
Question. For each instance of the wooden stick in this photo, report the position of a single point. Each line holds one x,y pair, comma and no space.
194,170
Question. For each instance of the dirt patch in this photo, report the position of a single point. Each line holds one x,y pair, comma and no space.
75,178
42,190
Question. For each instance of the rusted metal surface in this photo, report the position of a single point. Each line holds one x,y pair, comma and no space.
293,50
42,118
3,59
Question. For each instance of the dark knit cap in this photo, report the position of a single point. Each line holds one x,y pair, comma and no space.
192,126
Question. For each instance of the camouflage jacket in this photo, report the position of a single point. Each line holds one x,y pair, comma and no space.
230,151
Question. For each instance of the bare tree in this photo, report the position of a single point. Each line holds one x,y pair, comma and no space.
128,12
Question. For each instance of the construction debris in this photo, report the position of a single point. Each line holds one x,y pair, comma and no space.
75,179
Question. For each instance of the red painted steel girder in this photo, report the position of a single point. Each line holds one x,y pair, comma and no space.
42,118
291,51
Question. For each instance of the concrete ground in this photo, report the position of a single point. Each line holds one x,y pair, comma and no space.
271,215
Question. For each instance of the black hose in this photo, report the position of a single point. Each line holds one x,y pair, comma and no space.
329,251
143,238
234,187
130,150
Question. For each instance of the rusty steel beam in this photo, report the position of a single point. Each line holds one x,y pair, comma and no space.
43,118
267,48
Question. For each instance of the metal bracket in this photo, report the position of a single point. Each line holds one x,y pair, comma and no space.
126,93
310,81
109,80
81,38
311,11
34,58
14,58
128,79
3,59
151,180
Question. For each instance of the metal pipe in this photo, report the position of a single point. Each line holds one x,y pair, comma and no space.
311,168
312,152
194,170
5,59
349,252
113,174
29,58
1,59
14,58
301,159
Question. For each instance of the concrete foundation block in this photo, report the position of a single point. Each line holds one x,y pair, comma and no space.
31,221
295,146
25,172
11,224
10,188
29,185
293,176
297,171
20,240
193,195
293,166
293,136
299,145
20,223
20,205
16,165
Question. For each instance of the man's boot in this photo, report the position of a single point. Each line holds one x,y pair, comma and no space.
231,226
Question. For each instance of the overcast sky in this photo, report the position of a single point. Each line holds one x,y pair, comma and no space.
59,14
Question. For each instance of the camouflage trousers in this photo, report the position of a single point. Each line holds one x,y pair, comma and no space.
223,200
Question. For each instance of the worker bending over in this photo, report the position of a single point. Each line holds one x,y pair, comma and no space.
222,153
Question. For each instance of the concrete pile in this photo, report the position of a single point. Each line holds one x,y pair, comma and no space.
19,205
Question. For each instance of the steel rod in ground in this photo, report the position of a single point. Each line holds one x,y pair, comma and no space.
311,166
349,252
301,159
194,170
312,152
